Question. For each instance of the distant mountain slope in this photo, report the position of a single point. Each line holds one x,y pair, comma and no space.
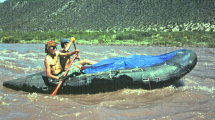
104,14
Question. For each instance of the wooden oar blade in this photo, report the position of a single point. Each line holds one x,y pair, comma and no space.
58,86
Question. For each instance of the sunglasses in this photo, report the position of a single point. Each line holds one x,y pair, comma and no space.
53,47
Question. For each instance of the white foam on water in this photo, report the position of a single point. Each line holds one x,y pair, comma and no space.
2,102
199,87
32,97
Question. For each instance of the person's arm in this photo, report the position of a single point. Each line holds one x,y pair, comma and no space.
48,70
72,39
68,53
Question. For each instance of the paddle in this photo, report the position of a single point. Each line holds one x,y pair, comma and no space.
64,75
75,49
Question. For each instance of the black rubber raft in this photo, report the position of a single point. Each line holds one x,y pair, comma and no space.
158,76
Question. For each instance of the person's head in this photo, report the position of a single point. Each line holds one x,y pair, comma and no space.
64,42
50,46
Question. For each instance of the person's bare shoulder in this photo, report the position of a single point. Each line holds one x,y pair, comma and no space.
57,53
47,58
46,61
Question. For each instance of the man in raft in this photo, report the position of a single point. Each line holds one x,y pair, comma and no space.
65,60
53,67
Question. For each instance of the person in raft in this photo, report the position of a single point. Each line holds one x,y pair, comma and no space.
65,60
53,67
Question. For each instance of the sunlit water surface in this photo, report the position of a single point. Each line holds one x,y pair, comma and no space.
194,100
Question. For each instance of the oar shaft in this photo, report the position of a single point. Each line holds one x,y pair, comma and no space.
74,45
70,64
75,49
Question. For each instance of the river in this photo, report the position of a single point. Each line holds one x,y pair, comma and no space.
195,99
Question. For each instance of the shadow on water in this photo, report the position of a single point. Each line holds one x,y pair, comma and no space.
178,84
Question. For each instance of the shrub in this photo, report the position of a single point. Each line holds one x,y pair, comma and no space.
145,34
203,39
139,39
159,42
124,36
43,36
211,44
186,41
178,36
156,42
102,39
131,36
9,39
121,36
27,37
52,34
111,32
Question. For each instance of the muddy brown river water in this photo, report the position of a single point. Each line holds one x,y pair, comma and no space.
192,98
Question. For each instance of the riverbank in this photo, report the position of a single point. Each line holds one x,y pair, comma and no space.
126,38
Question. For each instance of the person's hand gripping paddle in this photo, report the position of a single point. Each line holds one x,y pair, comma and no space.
64,75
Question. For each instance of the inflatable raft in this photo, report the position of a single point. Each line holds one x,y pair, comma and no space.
152,72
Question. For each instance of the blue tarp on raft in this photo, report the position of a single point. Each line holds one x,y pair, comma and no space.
133,61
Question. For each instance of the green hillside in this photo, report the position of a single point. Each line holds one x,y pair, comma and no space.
190,21
97,15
